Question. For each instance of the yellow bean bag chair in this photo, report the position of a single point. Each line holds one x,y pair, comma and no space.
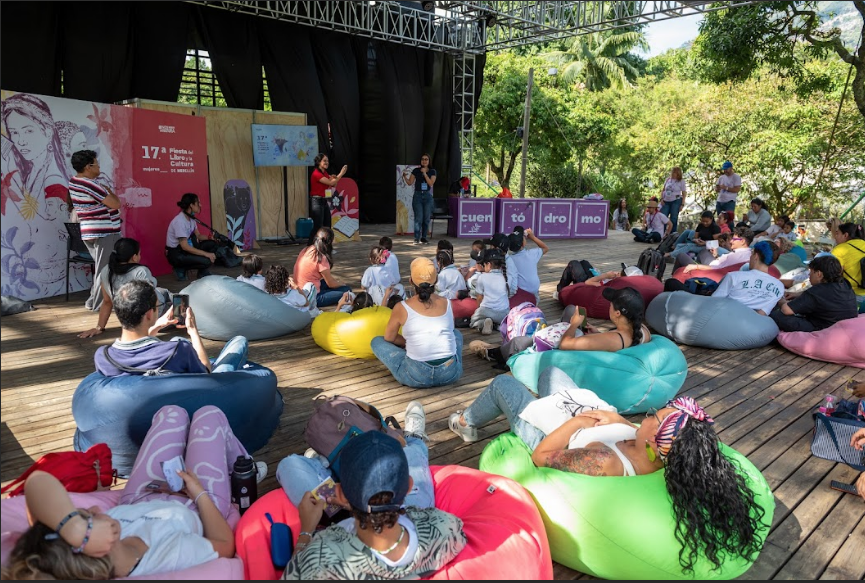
350,335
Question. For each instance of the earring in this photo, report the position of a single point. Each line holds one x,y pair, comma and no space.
651,453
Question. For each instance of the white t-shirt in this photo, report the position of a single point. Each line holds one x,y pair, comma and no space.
526,262
513,277
256,280
656,223
724,182
181,227
450,282
493,287
378,275
755,289
392,265
734,257
295,299
410,551
173,533
620,219
674,189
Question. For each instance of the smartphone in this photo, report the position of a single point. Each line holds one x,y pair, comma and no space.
585,325
842,487
179,303
158,486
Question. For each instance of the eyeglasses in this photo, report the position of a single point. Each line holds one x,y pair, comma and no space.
737,239
652,412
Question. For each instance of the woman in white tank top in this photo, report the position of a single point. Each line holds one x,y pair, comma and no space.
428,353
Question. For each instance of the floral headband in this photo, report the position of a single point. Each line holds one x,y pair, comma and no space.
672,425
384,255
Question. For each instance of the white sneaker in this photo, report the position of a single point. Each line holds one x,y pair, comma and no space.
260,472
415,421
467,433
555,295
314,455
487,327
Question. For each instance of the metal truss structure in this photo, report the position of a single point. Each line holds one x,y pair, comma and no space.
468,29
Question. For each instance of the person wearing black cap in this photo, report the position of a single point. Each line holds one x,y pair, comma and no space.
626,312
523,266
382,539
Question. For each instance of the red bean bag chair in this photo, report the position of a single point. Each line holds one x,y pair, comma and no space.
717,274
505,532
13,523
464,308
520,297
842,343
591,296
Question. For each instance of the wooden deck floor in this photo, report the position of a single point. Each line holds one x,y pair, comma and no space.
761,400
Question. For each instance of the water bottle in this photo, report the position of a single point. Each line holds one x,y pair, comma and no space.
828,407
244,487
594,272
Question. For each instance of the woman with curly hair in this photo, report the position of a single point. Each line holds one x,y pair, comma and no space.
830,299
715,512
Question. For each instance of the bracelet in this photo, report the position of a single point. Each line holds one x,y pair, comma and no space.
304,533
66,519
87,533
200,494
100,328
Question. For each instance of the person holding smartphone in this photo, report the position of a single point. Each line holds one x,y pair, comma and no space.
138,351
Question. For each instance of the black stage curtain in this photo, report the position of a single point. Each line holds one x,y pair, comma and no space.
231,40
161,42
29,47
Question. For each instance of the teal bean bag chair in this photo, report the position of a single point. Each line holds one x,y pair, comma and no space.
788,262
587,517
632,380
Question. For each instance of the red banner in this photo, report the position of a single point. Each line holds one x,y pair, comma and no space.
169,158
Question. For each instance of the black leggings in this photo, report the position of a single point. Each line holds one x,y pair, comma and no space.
576,272
319,212
180,259
792,323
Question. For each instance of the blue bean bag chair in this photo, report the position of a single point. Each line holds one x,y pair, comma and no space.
615,527
709,322
633,380
225,308
119,410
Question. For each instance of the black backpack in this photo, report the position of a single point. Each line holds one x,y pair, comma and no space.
575,272
668,243
860,283
651,262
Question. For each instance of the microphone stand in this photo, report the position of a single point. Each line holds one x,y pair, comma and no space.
217,236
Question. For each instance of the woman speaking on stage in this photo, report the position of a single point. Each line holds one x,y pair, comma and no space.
185,248
319,183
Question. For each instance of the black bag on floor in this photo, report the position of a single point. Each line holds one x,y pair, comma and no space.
668,243
575,272
226,257
651,262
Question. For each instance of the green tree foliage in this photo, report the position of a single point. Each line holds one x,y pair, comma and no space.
599,61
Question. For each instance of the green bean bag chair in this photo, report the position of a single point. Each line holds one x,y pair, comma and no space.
632,380
788,262
600,526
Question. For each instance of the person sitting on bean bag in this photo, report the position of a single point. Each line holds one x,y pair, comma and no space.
678,439
382,539
830,299
138,351
626,312
740,252
279,283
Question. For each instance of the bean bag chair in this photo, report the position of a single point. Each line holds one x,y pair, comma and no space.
788,262
225,308
13,523
350,335
119,410
598,526
632,380
841,343
717,274
464,308
506,537
709,322
520,297
591,296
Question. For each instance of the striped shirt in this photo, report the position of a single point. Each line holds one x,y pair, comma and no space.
97,220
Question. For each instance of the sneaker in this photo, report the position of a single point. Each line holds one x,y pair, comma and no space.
260,472
416,242
181,274
424,242
487,327
481,348
468,434
314,455
415,421
555,295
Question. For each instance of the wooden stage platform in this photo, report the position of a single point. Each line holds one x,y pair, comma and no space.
761,400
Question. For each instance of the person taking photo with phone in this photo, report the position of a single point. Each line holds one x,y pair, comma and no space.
138,351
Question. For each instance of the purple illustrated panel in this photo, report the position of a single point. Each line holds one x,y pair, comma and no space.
590,220
555,219
475,218
518,212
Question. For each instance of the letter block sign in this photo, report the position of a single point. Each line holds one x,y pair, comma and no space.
591,218
555,219
518,212
475,218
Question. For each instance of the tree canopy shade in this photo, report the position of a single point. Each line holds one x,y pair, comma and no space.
599,61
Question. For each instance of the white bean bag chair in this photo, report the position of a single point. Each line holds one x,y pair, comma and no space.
709,322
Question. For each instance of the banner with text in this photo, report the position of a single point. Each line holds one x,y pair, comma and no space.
590,219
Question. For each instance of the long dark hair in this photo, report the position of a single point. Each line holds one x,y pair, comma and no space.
322,245
118,262
629,303
186,201
852,230
445,257
830,267
716,512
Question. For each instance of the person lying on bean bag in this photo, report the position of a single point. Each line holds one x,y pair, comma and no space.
678,439
830,299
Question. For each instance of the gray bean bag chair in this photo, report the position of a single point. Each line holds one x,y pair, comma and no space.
12,305
709,322
225,308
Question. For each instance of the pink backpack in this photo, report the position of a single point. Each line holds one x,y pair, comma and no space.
550,338
522,320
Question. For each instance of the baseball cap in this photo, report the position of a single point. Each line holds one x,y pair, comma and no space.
632,270
372,463
652,204
515,239
726,165
626,300
500,241
423,271
492,254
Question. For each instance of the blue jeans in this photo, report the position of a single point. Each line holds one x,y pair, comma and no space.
671,209
507,396
298,475
422,205
720,207
415,374
642,236
233,355
328,296
684,244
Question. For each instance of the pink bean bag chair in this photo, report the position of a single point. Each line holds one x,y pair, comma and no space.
717,274
506,536
520,297
841,343
591,296
13,522
464,308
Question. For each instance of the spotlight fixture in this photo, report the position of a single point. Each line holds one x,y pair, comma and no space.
428,6
491,20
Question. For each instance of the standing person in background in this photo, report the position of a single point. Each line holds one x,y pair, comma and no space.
97,208
319,183
422,178
673,195
620,217
728,186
